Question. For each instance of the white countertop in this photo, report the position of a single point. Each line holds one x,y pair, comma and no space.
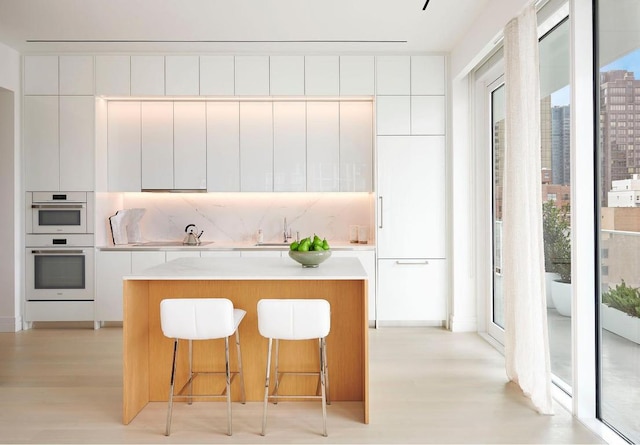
207,245
251,269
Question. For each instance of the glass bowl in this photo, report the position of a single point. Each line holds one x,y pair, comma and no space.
312,258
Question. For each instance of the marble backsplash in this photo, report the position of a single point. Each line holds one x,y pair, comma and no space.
236,217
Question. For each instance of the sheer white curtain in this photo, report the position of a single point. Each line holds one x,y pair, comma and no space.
526,337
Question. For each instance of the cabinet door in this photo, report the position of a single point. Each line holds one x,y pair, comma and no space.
220,254
113,75
321,75
190,145
412,291
261,254
223,146
183,75
147,75
256,147
427,75
76,75
323,146
41,75
428,115
357,74
110,268
286,75
157,145
356,146
175,254
41,145
144,260
289,147
393,75
217,76
393,115
77,141
123,147
252,75
411,194
368,260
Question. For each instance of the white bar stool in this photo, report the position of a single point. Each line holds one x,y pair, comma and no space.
202,319
292,319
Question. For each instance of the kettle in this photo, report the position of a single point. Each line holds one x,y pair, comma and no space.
191,239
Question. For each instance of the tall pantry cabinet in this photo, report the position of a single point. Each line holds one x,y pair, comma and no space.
411,190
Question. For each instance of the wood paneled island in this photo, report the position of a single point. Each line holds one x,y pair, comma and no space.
244,281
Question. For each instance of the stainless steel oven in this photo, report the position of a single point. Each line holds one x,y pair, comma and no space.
59,212
59,268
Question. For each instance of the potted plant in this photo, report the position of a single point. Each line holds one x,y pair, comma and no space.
555,230
620,312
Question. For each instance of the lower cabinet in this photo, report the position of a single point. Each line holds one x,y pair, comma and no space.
368,260
110,268
412,292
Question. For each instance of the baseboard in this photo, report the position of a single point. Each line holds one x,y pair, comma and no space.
461,324
408,324
10,324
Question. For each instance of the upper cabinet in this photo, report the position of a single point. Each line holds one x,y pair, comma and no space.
76,75
217,76
41,75
223,146
289,147
77,138
393,75
123,146
53,75
256,147
157,145
113,75
356,155
357,76
286,75
323,146
428,76
182,75
252,75
189,146
147,75
41,149
321,75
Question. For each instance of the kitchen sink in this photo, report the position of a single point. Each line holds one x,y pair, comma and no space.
272,244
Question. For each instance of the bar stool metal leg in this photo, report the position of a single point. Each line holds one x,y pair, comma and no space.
190,401
240,370
266,390
277,371
322,384
173,380
326,369
228,377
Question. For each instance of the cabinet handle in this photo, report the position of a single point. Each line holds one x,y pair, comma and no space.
412,262
380,226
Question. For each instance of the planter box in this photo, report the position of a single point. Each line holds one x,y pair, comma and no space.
619,323
561,295
550,277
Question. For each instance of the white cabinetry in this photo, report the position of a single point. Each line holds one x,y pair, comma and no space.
261,254
412,291
41,144
223,146
286,75
428,75
190,145
174,254
77,139
113,75
393,75
256,147
157,145
220,254
428,115
394,115
368,260
182,76
144,260
252,76
323,146
356,134
110,268
217,76
147,76
76,75
123,150
41,75
289,147
321,75
357,76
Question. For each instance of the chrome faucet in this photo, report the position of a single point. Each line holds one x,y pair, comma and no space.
287,231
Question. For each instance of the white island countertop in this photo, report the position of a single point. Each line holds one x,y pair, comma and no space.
251,269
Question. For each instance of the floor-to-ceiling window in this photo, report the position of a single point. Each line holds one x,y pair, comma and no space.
618,198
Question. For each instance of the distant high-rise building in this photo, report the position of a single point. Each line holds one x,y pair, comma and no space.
545,132
561,145
619,127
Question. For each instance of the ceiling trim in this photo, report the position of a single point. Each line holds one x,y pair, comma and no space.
209,41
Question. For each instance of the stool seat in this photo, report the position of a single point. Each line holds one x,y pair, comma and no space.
295,319
202,319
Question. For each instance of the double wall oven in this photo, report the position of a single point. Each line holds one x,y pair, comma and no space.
59,256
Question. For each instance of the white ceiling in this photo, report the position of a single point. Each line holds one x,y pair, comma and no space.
236,26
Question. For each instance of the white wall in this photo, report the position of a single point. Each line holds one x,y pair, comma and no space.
11,253
471,49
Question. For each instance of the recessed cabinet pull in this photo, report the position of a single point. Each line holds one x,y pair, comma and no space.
412,262
57,252
380,226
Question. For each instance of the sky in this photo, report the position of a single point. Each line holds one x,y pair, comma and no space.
630,62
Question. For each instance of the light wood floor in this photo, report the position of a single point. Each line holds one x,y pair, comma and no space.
427,385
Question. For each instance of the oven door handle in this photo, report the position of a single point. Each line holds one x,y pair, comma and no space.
57,252
57,206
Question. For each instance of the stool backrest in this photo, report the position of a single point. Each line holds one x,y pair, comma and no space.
291,319
197,318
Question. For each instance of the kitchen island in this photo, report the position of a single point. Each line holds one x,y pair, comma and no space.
244,281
